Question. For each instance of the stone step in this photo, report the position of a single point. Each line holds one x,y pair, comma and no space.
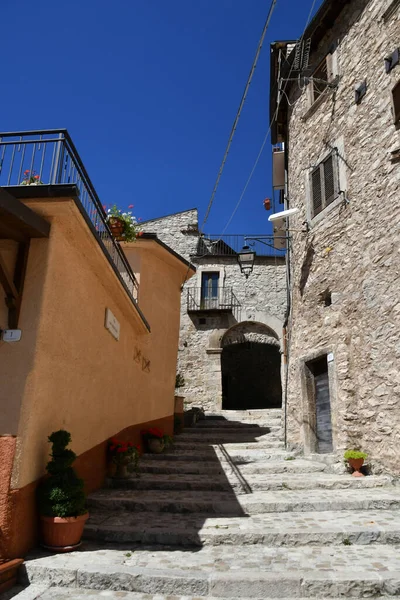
253,432
225,503
226,572
213,453
59,593
270,466
229,442
271,529
235,482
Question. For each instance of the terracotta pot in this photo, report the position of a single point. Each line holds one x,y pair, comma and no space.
155,446
121,472
117,226
356,464
62,534
178,403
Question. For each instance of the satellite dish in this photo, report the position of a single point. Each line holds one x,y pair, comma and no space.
283,214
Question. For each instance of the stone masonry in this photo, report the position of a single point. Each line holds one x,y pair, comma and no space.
262,299
351,252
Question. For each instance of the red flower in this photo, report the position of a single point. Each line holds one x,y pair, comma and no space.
36,176
140,233
120,450
114,441
26,172
112,448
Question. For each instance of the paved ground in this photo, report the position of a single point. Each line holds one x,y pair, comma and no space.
228,513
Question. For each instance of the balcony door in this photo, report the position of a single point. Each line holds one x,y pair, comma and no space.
209,290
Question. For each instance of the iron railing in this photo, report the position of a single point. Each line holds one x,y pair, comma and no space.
231,245
51,157
224,300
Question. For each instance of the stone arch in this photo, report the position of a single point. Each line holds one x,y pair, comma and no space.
251,367
250,331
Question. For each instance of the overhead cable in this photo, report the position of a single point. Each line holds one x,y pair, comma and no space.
235,123
269,128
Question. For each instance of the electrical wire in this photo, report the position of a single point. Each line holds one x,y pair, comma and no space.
269,128
236,121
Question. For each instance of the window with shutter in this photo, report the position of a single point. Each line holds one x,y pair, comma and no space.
324,184
316,191
396,103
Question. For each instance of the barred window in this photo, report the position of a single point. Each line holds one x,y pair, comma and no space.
324,184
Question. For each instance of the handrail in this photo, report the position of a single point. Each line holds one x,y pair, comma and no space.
65,166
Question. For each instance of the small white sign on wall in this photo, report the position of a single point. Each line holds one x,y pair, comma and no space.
112,324
330,357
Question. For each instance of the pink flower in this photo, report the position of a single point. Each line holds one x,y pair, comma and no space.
131,205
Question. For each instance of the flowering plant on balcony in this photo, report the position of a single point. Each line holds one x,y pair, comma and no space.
31,178
124,453
124,225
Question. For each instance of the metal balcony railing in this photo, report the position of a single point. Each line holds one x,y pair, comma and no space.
224,300
51,157
231,245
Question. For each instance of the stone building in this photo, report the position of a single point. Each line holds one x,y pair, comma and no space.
335,112
231,327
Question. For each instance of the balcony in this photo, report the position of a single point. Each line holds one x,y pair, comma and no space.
51,157
224,301
231,245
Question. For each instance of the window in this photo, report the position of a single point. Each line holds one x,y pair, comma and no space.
396,103
209,289
322,77
324,184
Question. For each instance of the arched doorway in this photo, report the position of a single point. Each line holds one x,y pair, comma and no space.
251,368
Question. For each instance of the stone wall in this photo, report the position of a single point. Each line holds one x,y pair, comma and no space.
262,299
352,249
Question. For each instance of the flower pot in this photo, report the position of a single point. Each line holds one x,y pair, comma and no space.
117,227
62,534
155,446
121,472
356,464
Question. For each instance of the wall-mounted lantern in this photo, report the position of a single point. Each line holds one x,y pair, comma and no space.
246,259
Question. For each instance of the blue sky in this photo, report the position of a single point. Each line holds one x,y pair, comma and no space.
148,90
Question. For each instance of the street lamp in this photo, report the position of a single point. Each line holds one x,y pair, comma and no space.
246,260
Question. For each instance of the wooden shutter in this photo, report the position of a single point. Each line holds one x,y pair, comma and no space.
329,181
396,102
316,191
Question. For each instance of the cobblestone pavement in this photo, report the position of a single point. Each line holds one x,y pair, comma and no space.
242,519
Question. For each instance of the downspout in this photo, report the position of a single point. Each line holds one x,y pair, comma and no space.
286,329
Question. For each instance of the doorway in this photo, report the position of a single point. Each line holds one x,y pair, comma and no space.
318,391
251,376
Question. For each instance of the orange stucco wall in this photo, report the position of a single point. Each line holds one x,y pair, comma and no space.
68,371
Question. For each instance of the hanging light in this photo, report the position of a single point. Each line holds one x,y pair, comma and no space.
246,259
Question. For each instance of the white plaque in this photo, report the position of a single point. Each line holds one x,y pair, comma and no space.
11,335
112,324
330,357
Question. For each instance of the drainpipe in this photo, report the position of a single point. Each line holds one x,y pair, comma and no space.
286,328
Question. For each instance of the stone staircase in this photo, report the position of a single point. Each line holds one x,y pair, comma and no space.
228,513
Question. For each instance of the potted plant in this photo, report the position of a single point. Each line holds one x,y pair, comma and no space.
31,178
355,458
155,440
123,454
61,499
124,226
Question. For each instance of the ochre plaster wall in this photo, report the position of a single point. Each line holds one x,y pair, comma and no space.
69,372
